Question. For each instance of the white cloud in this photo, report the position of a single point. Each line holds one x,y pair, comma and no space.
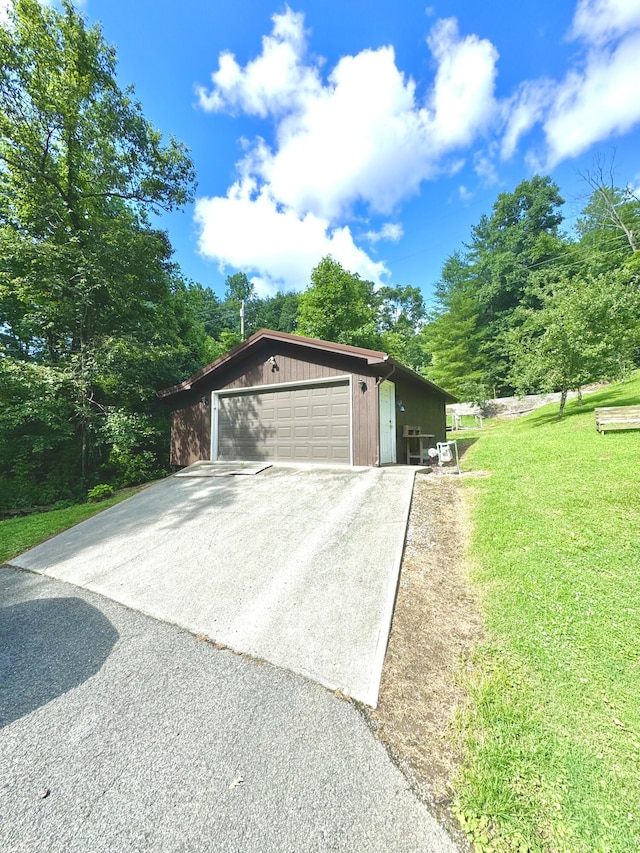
391,231
363,135
524,110
464,193
596,104
248,230
463,100
276,82
599,21
366,137
484,167
596,99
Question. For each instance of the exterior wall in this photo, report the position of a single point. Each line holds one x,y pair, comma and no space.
191,424
293,367
190,434
365,425
420,409
256,370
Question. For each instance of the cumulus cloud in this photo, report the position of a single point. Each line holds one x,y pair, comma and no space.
597,103
597,98
361,135
274,82
524,110
463,97
247,229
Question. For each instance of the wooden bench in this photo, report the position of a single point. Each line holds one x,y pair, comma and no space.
617,417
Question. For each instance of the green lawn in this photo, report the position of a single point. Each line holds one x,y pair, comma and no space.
552,734
18,534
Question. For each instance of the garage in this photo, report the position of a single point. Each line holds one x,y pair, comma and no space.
279,397
298,423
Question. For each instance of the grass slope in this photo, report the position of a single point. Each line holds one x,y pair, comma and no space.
552,733
19,534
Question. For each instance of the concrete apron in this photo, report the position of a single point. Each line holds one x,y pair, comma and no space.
295,566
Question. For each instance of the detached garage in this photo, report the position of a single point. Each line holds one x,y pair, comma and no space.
282,398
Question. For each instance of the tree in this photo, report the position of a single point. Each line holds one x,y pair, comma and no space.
80,168
339,306
482,288
401,316
85,281
278,312
453,335
613,213
585,330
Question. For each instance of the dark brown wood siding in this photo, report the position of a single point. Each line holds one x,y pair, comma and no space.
421,408
190,434
365,421
258,371
294,367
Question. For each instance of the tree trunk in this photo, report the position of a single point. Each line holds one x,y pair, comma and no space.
563,400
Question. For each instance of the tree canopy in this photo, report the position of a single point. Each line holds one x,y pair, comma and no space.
526,308
92,312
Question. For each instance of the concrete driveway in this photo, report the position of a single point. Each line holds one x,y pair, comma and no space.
295,566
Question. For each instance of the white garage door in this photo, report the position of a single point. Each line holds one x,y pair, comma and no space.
309,423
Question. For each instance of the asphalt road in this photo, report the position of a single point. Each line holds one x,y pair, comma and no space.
122,733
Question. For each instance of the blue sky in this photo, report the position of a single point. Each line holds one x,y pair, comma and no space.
376,131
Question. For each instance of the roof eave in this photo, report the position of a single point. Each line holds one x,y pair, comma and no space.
369,356
423,379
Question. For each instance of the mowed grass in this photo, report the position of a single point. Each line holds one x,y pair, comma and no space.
19,534
552,732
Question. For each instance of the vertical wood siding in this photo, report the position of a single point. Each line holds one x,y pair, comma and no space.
258,371
422,409
365,426
190,434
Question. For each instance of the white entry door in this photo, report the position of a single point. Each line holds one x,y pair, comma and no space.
387,398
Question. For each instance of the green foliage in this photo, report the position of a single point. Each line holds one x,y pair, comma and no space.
525,308
131,439
37,433
93,317
454,335
279,312
100,492
584,330
550,736
338,306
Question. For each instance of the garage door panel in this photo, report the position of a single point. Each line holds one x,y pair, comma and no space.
306,424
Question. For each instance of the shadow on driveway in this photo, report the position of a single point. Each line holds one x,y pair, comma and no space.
47,647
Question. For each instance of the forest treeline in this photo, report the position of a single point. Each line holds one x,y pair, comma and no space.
95,317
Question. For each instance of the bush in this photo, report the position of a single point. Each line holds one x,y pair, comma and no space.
100,492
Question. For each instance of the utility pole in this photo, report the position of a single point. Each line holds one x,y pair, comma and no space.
242,320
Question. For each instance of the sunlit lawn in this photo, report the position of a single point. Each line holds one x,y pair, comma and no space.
553,732
18,534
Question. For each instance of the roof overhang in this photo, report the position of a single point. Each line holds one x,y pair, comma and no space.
369,357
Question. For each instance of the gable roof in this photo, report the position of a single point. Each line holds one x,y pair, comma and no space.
370,357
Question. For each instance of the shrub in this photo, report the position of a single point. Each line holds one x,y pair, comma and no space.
100,492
